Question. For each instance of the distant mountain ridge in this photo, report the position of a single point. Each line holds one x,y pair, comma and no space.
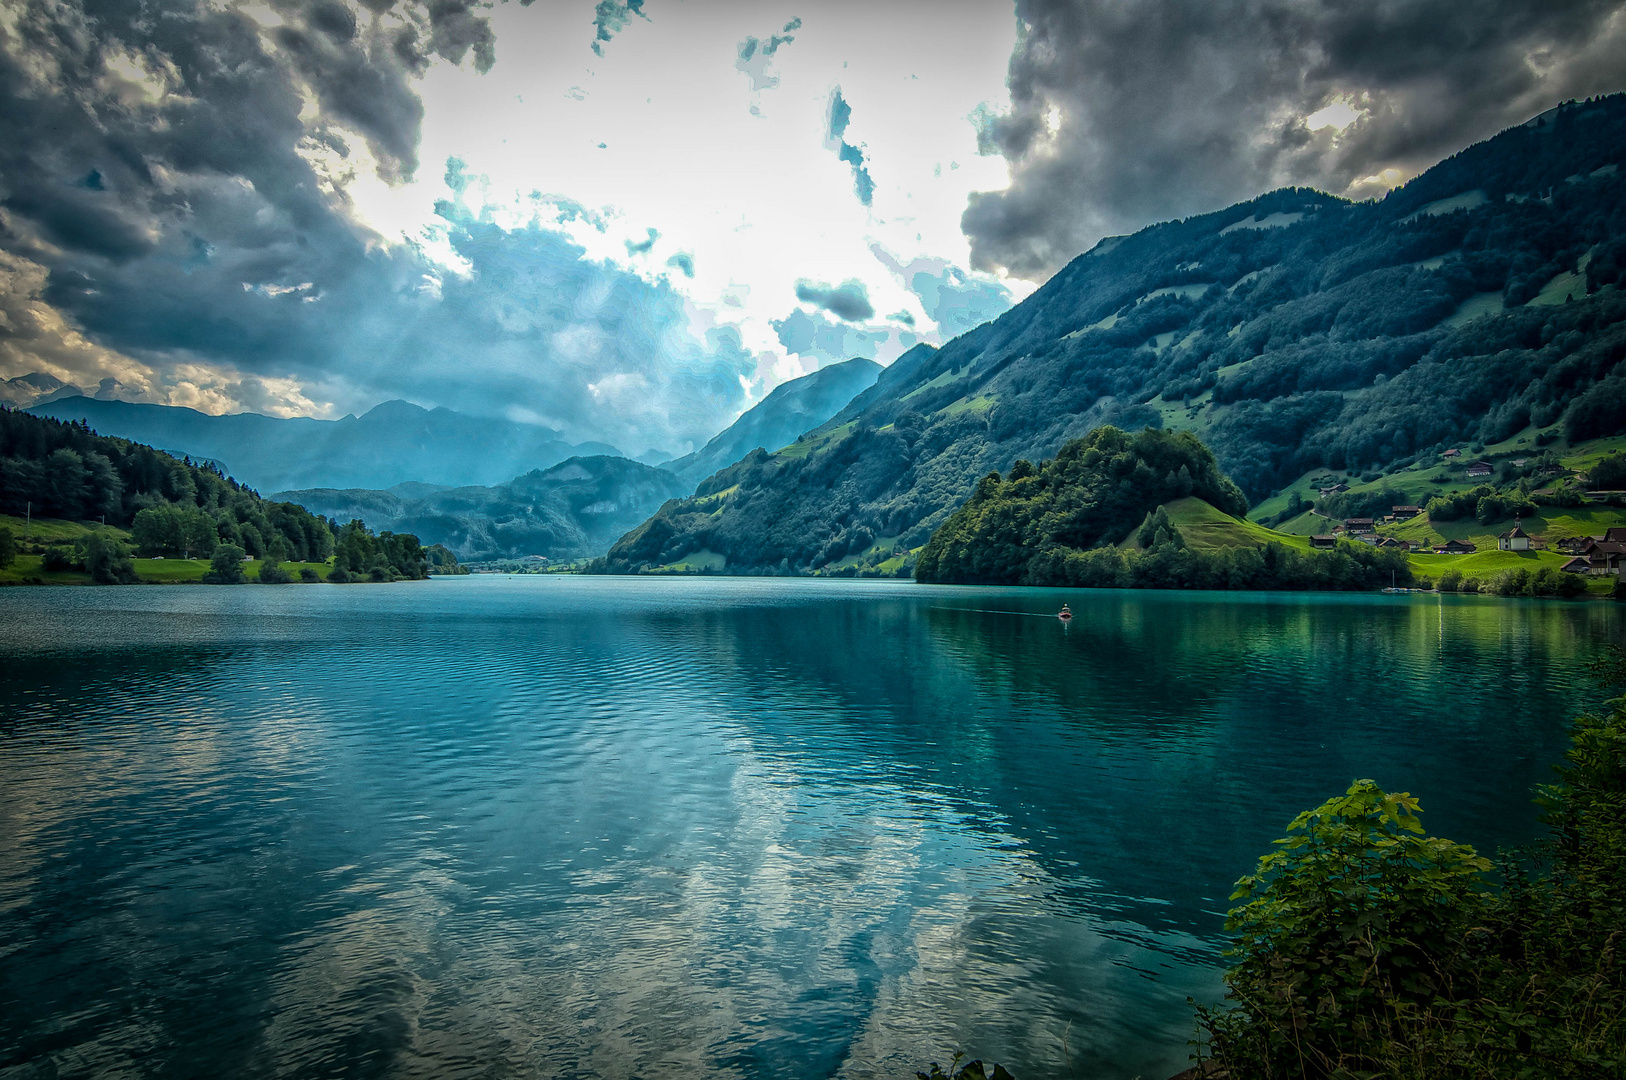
398,442
35,388
794,407
393,443
1293,332
574,509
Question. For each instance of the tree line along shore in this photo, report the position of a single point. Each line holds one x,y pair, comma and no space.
82,508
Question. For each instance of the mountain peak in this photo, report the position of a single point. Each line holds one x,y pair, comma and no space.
395,409
35,388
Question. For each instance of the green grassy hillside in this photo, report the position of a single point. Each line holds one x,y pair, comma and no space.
1434,475
54,530
1205,528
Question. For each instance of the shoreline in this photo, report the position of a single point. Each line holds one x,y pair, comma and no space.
81,579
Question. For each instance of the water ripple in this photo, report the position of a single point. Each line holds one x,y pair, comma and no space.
563,827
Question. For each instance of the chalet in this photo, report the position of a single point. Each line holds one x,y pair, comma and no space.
1574,545
1368,538
1402,513
1454,547
1358,524
1453,452
1577,565
1614,536
1606,557
1479,468
1515,539
1520,462
1323,541
1395,542
1332,489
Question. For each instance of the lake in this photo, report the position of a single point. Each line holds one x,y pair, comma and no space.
573,827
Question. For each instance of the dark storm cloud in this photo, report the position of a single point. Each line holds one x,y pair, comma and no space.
157,193
1125,112
840,116
849,300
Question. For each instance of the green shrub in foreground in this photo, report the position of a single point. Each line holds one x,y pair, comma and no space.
1367,949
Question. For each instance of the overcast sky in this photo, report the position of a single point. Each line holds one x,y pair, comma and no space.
629,221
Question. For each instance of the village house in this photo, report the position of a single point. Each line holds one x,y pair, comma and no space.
1577,565
1479,468
1395,542
1453,452
1604,554
1358,524
1403,513
1323,541
1454,547
1606,557
1333,489
1368,538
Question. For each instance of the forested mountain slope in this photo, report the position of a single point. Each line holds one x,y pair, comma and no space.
574,509
1294,332
394,442
793,408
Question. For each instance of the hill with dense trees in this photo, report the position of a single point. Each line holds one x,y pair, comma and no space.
1097,516
172,507
1292,333
1095,491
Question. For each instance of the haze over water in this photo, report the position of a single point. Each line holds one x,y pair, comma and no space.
562,827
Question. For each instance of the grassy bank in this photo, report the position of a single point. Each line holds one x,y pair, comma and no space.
28,570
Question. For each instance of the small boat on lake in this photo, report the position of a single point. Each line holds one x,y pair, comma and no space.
1065,614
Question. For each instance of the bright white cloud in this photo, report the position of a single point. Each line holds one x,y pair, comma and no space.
727,163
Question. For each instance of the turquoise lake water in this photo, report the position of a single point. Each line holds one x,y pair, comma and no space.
574,827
